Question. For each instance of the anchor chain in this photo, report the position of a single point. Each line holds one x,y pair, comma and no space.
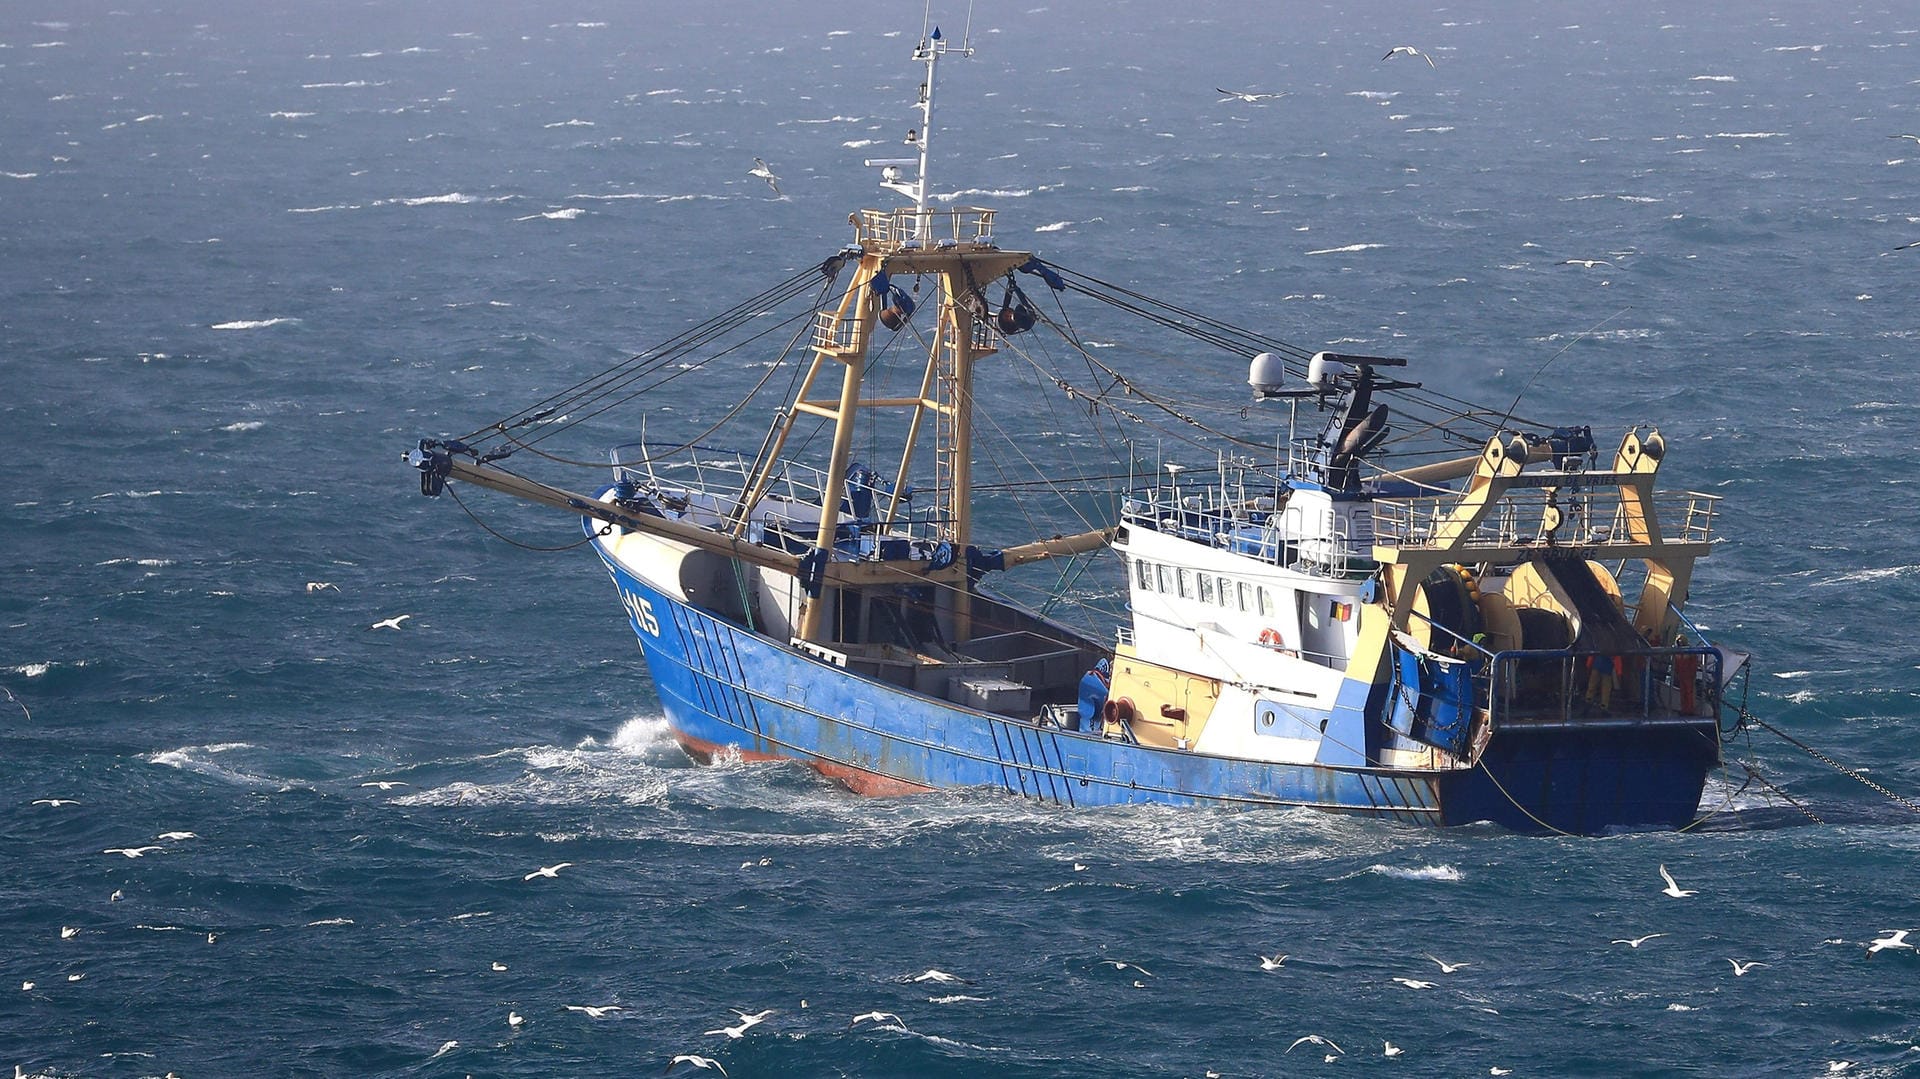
1749,717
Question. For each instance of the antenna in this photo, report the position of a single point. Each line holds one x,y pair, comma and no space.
931,48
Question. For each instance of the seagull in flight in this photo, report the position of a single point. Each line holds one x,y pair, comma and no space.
322,586
384,784
696,1061
761,170
593,1011
1672,888
58,802
1588,263
1118,965
1248,96
746,1023
1314,1039
390,623
1446,967
1407,50
1415,983
1915,138
1740,969
176,836
1272,962
131,852
1390,1050
1895,938
877,1017
943,978
547,871
1638,941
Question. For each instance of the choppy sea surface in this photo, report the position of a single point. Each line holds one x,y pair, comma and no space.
249,253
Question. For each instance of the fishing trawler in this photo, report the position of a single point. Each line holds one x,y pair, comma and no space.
1480,619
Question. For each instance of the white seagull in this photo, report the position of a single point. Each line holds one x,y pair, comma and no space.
547,871
696,1061
131,852
747,1022
942,977
1638,941
1588,263
1250,97
1915,138
384,784
1415,983
761,170
1407,50
1446,967
593,1011
322,586
499,966
1740,969
877,1017
176,836
55,802
514,1019
1316,1040
1388,1049
390,623
1118,965
68,932
1672,888
1895,938
1272,962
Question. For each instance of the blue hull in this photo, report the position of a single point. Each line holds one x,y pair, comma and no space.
728,689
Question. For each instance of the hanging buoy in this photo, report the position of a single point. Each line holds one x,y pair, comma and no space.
1016,319
898,310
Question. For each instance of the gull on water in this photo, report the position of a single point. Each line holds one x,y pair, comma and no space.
1407,50
1895,938
593,1011
116,896
68,932
1446,967
1316,1040
1388,1049
547,871
877,1017
1079,867
761,170
498,966
941,977
1672,888
696,1061
514,1019
131,852
1637,941
1272,962
1248,96
390,623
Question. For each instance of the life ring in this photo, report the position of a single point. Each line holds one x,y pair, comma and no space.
1270,637
1117,710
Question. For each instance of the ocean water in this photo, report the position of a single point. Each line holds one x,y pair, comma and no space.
250,253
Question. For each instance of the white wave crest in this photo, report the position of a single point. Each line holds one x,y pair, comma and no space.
1713,78
254,324
1055,227
985,193
18,175
1748,135
31,670
570,123
244,425
321,209
567,214
855,144
1345,250
1424,872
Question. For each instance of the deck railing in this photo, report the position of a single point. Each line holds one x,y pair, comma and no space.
1587,516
